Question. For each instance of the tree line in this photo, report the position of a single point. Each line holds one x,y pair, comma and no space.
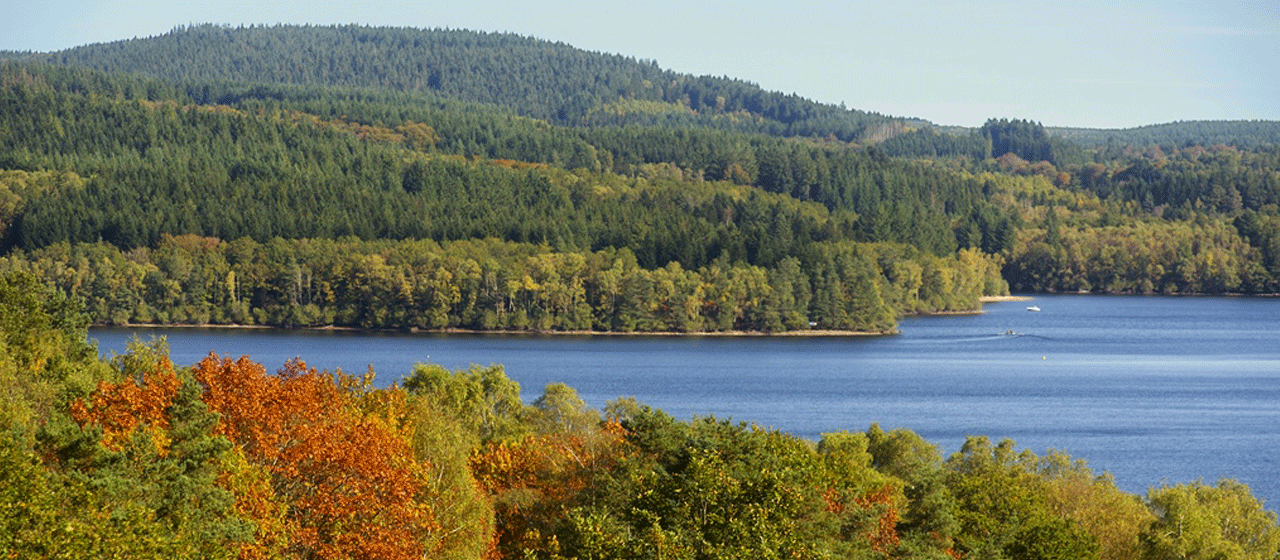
138,457
1208,256
497,285
1077,146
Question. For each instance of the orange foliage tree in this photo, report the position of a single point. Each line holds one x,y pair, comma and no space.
349,479
121,408
324,470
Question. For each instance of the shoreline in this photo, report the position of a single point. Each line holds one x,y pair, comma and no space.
979,311
415,330
454,330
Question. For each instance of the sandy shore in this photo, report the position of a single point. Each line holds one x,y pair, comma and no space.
998,299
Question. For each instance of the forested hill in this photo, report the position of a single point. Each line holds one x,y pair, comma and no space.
608,228
1077,146
634,203
1241,134
537,78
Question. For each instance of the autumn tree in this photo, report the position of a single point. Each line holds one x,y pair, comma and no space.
101,464
867,503
449,415
484,399
717,489
349,479
158,457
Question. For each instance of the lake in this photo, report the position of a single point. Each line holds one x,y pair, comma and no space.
1150,389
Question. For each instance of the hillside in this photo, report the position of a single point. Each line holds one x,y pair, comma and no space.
1082,145
135,163
551,81
555,82
1241,134
532,77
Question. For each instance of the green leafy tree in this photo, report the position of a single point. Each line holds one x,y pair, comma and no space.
929,521
1003,509
1200,521
483,399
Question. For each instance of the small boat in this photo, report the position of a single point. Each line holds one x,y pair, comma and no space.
1033,308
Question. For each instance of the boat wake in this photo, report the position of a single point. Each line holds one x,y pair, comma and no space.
970,339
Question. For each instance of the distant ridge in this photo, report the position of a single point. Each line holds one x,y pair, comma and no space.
1241,133
547,80
533,77
1246,134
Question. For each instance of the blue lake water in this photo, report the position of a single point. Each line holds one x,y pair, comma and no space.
1151,389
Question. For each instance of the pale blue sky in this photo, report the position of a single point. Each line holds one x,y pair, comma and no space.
1088,63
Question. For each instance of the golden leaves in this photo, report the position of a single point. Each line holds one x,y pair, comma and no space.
121,408
348,479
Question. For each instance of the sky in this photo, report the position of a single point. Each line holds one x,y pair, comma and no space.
1080,63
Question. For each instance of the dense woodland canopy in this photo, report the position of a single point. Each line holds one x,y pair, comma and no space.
351,137
391,178
132,162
